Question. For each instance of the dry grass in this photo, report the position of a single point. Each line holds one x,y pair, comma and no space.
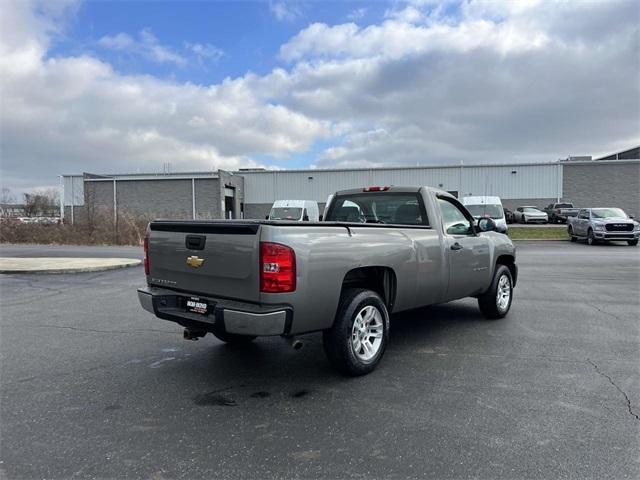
130,230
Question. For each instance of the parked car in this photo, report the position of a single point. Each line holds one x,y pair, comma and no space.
298,210
530,214
560,212
490,207
380,250
603,224
508,215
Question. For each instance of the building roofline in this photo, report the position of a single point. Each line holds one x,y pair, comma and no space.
189,175
603,162
398,167
618,153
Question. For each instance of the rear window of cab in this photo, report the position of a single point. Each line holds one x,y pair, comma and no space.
388,207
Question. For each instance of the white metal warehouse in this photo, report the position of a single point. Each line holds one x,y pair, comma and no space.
249,193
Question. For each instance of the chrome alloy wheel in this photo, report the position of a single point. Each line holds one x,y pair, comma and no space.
504,293
366,334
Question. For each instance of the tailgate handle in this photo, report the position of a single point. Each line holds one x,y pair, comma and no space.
195,242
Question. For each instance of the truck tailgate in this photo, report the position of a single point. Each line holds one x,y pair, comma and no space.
207,258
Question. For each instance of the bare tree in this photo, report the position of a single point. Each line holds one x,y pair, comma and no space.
7,196
43,203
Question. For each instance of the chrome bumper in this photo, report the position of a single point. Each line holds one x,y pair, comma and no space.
163,304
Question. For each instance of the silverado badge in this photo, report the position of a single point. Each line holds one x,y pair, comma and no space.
194,261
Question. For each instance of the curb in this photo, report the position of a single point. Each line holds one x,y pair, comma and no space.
540,240
97,268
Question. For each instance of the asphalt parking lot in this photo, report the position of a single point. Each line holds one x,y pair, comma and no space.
93,386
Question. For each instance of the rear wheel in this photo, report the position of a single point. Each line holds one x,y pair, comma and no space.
591,239
632,243
234,338
572,237
496,302
356,342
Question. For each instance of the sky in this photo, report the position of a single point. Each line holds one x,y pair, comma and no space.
124,86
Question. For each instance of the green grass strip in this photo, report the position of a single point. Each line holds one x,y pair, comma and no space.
538,233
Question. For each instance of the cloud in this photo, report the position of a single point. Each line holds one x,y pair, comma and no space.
399,38
357,14
488,84
285,11
204,51
146,46
484,82
76,113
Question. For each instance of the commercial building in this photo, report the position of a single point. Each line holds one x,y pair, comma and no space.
249,193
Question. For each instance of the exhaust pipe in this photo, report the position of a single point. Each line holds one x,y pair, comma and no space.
295,343
194,335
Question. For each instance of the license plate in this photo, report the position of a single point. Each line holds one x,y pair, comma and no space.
197,305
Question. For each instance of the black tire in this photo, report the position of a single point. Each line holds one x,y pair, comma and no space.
572,237
632,243
488,301
234,338
591,239
337,340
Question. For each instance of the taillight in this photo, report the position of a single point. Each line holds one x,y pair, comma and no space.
145,245
277,268
375,189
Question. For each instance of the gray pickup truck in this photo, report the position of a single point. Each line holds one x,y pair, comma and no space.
560,212
379,250
603,224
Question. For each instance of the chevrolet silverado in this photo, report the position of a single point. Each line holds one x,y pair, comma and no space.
379,250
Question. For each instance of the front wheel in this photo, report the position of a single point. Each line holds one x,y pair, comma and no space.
496,302
591,239
632,243
356,342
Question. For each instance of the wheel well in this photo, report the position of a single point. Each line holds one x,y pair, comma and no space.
510,262
381,280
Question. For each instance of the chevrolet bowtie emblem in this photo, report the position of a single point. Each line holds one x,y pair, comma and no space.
194,261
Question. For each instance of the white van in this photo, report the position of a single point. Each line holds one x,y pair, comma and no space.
487,207
296,210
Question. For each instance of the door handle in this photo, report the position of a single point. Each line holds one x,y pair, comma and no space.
456,246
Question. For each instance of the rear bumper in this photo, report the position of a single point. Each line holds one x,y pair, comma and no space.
223,315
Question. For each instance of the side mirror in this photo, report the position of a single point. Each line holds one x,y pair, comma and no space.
486,225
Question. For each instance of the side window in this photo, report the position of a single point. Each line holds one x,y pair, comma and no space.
453,220
519,209
583,214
